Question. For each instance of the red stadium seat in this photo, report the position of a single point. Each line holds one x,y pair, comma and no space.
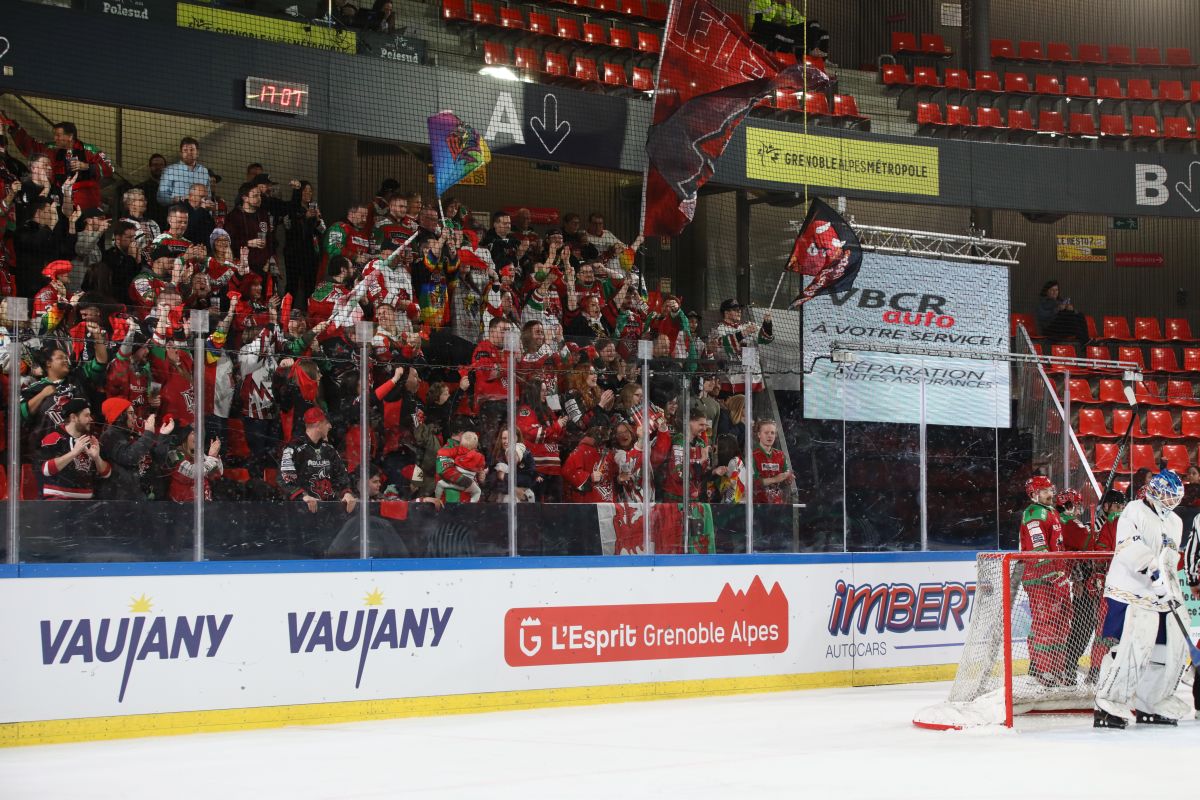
1179,330
1099,352
1142,457
1090,54
1104,456
1180,57
1083,125
271,476
1138,89
1147,393
894,75
525,58
1181,393
1131,355
567,28
926,76
1159,423
239,474
1079,86
656,11
986,81
1112,126
555,64
1119,55
1028,320
594,34
1047,84
932,44
957,79
1020,120
1176,456
1191,359
816,104
1162,359
1145,329
958,116
1060,53
1172,92
1061,351
1148,57
988,118
648,42
1091,423
1109,89
642,79
584,69
606,6
614,75
496,53
1017,83
1030,51
845,106
620,38
484,13
1121,423
1177,128
1189,423
1093,331
540,24
1117,329
1146,128
512,19
455,10
1051,122
1081,391
632,8
904,43
929,114
1111,391
1002,50
786,100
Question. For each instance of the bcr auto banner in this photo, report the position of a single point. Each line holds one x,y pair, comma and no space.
938,306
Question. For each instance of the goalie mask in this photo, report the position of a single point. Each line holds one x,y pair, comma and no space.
1164,491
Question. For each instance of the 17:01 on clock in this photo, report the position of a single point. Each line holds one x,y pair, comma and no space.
283,97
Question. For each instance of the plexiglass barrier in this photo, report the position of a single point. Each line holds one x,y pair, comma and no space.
248,439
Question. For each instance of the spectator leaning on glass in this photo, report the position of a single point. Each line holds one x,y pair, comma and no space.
1056,315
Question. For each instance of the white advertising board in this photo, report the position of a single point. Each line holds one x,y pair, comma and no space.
916,303
112,646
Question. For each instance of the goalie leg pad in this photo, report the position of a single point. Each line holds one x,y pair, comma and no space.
1126,662
1169,659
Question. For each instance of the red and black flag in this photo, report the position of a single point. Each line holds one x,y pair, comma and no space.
710,76
826,248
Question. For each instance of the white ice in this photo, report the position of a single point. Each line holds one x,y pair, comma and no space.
837,743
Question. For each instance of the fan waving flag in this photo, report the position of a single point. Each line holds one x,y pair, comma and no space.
458,150
826,248
710,76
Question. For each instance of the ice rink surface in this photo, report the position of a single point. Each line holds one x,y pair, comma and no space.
837,743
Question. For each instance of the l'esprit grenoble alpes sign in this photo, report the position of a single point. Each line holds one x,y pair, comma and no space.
114,646
935,306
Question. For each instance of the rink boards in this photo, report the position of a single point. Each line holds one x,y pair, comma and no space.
118,650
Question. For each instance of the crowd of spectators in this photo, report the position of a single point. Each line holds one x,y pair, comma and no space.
109,406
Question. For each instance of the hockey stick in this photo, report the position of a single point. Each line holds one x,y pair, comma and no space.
1125,439
1187,637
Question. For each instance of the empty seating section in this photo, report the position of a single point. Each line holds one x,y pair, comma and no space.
1086,95
614,46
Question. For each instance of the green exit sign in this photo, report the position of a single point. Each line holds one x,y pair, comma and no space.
1125,223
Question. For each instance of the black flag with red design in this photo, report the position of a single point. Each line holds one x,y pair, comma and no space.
826,248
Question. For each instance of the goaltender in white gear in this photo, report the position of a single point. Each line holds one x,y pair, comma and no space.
1142,671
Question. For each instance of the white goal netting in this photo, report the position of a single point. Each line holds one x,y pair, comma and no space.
1034,642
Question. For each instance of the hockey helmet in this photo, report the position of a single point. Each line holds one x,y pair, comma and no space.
1036,484
1068,497
1164,491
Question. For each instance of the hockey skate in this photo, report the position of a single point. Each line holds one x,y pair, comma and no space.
1152,719
1103,719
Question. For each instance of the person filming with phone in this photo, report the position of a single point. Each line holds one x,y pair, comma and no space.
1057,317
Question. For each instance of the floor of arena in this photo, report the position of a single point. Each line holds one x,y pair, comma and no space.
844,743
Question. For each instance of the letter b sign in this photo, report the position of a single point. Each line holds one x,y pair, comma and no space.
1151,185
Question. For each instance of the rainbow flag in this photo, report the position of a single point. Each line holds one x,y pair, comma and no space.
458,150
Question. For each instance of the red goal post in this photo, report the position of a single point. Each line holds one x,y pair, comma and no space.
1034,642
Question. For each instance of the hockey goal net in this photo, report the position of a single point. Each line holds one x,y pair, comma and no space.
1034,643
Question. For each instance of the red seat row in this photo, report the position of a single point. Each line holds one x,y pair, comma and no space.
1162,359
816,105
575,68
1158,423
1074,86
929,44
1145,329
483,13
1111,127
565,28
1111,390
1143,456
1092,54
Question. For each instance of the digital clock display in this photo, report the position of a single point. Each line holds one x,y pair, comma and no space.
283,97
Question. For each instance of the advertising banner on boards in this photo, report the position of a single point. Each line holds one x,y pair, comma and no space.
927,304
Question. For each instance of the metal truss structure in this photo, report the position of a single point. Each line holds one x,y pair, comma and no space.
925,244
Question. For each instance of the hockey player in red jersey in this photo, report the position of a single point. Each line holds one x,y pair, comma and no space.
1087,577
1047,585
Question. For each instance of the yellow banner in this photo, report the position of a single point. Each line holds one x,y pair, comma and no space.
477,177
1084,247
835,162
270,29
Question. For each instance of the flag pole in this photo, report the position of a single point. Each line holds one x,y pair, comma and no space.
778,284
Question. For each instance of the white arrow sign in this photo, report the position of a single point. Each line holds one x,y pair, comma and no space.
549,130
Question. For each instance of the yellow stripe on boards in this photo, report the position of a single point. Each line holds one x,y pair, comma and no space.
14,734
